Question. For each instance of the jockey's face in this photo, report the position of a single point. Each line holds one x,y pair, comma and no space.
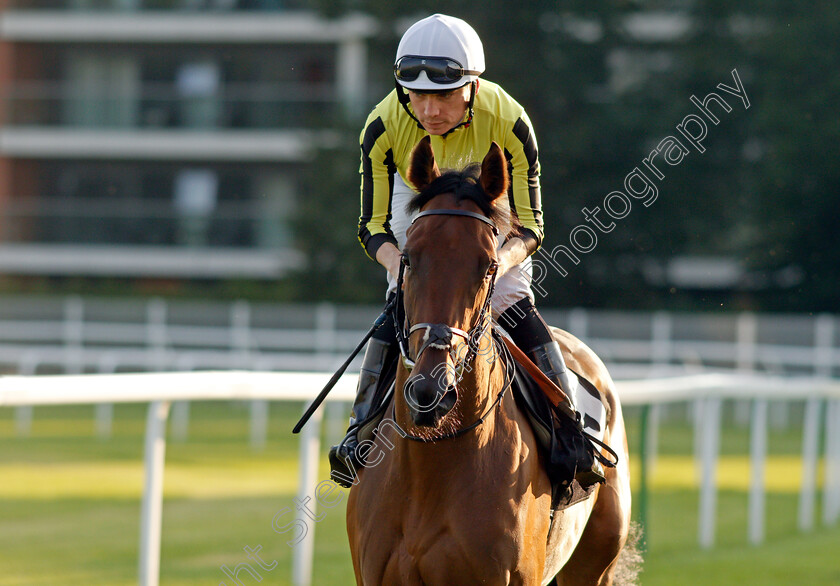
440,112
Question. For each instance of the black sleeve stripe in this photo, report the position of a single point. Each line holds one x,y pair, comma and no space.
523,132
374,130
392,169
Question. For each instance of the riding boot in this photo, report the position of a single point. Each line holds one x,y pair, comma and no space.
374,361
549,359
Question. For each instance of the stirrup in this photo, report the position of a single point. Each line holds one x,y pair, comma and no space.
549,359
593,475
344,465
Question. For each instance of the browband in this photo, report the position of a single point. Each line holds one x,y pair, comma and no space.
466,213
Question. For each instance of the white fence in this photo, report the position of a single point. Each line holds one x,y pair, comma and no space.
75,335
708,390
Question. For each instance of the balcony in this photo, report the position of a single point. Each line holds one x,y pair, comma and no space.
208,26
271,70
142,238
225,6
247,122
166,139
138,103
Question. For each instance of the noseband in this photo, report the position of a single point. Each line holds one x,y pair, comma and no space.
439,336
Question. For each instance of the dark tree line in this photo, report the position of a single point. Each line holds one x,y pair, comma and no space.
604,82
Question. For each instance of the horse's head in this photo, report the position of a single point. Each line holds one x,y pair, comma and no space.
449,265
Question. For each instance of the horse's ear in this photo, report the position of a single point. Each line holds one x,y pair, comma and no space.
423,168
494,175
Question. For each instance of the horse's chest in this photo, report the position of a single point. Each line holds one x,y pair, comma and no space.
445,532
460,546
448,559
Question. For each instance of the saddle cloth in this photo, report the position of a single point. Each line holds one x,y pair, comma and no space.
587,398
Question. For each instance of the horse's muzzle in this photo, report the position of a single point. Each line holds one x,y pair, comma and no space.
429,401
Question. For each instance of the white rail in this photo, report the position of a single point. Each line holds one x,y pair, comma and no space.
83,335
161,389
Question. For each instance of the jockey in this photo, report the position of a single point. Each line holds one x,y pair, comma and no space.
438,94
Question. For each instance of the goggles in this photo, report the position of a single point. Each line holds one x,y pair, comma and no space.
440,70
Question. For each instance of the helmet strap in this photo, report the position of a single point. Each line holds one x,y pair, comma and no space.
402,96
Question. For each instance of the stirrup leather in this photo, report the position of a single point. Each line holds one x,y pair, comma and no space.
549,359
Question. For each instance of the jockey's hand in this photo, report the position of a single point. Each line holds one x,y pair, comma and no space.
510,255
388,256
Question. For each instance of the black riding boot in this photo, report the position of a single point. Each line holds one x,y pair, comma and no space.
341,472
530,333
549,359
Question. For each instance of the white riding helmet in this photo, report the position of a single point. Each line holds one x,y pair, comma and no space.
439,53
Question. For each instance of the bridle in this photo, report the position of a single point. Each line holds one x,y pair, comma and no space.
439,336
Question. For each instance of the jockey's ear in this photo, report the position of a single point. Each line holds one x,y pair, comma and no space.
423,168
494,175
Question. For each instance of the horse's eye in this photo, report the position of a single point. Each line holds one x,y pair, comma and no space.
405,261
491,270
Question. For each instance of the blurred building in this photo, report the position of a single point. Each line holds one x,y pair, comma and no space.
165,137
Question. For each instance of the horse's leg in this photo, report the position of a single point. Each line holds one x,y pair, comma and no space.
596,554
597,551
594,558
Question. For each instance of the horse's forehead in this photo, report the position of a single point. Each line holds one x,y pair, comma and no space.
438,229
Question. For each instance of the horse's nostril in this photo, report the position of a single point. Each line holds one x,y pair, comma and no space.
429,403
448,401
423,394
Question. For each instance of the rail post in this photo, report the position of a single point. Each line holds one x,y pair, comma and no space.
151,510
758,457
709,447
310,446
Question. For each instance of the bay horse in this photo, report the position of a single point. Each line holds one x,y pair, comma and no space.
461,495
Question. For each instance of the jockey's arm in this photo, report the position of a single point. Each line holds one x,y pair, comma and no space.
512,254
516,250
388,256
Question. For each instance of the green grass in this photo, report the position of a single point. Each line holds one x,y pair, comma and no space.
70,506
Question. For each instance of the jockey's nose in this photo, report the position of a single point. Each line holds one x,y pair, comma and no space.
430,107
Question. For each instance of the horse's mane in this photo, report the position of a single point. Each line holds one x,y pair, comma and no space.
464,185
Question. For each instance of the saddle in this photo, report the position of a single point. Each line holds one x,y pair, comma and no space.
556,433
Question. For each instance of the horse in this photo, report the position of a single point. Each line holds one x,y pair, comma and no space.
459,494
